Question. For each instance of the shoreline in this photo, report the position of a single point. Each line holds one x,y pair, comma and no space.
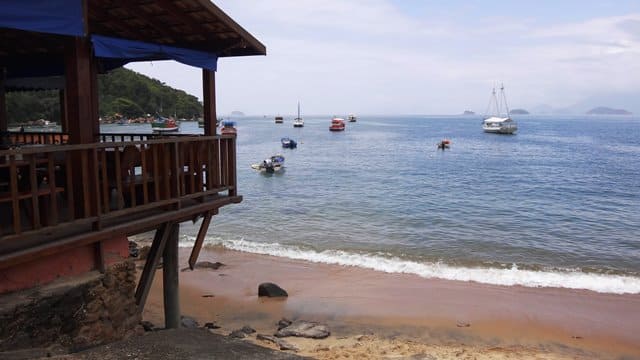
399,311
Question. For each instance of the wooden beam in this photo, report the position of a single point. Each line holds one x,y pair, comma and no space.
4,122
79,90
64,122
150,266
209,101
199,240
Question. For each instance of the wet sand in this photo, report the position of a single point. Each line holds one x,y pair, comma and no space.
378,315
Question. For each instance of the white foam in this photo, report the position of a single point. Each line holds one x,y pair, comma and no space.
571,279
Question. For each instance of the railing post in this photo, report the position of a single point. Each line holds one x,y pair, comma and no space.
233,191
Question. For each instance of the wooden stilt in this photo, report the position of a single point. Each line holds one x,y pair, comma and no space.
150,266
170,279
199,240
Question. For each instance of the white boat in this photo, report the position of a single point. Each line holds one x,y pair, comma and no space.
352,118
298,121
271,165
496,121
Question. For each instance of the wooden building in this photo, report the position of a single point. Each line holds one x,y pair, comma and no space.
69,200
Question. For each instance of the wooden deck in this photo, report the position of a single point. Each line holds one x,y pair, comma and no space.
55,196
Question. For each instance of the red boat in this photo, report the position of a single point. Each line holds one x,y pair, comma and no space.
337,124
228,128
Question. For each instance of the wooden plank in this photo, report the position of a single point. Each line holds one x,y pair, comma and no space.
13,173
170,278
195,252
84,170
232,168
104,180
209,101
150,266
156,171
70,193
119,190
33,183
53,201
145,181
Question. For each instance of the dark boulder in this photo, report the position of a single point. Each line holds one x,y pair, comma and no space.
271,290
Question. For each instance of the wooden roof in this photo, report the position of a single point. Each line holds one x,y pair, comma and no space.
191,24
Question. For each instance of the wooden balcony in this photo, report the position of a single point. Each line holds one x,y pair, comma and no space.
54,195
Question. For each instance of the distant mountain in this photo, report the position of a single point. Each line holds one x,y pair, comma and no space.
519,112
468,112
603,110
237,113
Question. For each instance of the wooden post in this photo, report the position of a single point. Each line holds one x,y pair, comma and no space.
79,91
199,240
209,101
150,266
64,122
4,122
170,281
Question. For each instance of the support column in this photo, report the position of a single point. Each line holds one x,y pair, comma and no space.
80,91
64,122
4,122
209,101
170,282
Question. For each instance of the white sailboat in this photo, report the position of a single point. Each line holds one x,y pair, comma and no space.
496,121
298,121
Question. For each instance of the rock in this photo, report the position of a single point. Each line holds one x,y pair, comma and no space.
283,323
238,334
271,290
208,295
302,328
208,265
247,329
462,324
133,249
188,322
211,325
148,326
282,344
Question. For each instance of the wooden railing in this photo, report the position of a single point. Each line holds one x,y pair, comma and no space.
45,186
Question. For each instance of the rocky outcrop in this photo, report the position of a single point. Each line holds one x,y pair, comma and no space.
307,329
281,343
76,313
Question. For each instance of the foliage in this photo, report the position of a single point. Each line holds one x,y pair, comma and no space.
120,91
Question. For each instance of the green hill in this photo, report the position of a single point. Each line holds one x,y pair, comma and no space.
120,91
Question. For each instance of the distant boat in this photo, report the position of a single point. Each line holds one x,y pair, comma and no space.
163,124
279,119
444,144
352,118
496,121
298,122
228,128
288,143
337,124
270,165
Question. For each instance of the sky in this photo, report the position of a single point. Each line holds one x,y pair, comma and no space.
423,57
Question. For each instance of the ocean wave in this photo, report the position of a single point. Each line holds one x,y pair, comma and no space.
509,276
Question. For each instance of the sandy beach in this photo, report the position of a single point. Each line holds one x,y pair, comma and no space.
379,315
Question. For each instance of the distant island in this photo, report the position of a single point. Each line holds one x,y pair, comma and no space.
468,112
603,110
519,112
237,113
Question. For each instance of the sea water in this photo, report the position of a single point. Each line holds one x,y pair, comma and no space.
556,205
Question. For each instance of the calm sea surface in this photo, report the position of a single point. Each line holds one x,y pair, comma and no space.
556,205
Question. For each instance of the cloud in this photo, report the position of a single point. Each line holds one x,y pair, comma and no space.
359,56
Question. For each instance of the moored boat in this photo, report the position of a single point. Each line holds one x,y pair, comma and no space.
228,128
271,165
279,119
163,124
497,121
298,121
288,143
444,144
352,118
337,124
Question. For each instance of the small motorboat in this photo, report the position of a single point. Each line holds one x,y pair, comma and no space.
288,143
444,144
228,128
352,118
271,165
337,124
279,119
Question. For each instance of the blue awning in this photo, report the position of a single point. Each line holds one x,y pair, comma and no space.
62,17
130,50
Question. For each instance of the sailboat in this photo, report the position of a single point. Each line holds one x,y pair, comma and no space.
495,122
298,122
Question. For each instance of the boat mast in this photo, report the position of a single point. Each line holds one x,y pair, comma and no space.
504,98
298,109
